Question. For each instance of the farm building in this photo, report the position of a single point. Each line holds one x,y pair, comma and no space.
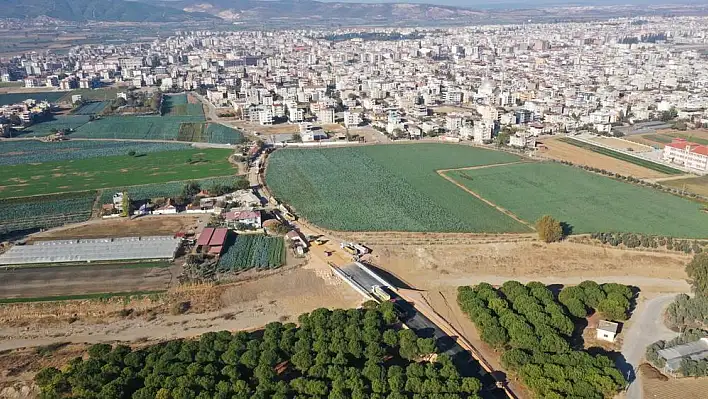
607,330
237,219
212,240
93,250
697,350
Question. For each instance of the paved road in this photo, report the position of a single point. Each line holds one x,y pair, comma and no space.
647,328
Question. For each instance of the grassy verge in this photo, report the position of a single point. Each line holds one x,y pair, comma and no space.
101,295
624,157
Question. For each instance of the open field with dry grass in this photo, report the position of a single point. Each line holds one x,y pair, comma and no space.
661,137
123,227
445,267
567,152
698,185
620,144
239,306
675,388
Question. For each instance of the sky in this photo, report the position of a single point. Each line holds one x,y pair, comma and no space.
487,4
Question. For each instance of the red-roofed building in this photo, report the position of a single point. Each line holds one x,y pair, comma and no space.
685,153
218,238
204,238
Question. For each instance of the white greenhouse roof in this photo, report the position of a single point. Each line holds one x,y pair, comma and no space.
92,250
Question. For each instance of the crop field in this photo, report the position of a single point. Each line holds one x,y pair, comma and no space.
691,137
192,131
163,190
45,211
102,94
91,108
203,132
133,128
67,122
220,134
386,188
657,137
113,171
32,151
624,157
585,201
14,98
177,105
253,251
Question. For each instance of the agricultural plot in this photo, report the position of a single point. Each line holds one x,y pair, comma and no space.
177,105
66,123
164,190
624,157
657,138
587,202
25,214
202,132
253,251
25,152
113,171
220,134
690,137
193,132
14,98
386,188
698,185
91,108
103,94
133,128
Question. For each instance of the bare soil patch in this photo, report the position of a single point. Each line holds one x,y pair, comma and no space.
567,152
441,267
123,227
239,306
622,144
675,388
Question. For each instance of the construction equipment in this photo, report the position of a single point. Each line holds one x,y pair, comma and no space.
380,293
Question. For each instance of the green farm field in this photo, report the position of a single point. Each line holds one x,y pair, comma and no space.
698,185
585,201
113,171
386,188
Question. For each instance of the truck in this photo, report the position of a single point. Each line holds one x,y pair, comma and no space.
351,250
381,293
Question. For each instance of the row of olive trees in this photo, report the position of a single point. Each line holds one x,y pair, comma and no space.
534,331
357,353
632,240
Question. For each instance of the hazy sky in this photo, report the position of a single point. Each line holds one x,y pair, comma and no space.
524,4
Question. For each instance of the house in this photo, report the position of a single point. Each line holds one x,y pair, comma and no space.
296,238
211,240
696,350
522,141
607,330
690,155
237,219
168,209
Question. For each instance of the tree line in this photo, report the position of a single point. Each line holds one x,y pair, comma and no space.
534,331
611,299
632,240
338,354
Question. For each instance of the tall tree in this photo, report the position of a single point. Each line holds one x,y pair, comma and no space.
549,229
697,271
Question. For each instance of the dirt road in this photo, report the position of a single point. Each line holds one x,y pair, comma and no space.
647,326
76,280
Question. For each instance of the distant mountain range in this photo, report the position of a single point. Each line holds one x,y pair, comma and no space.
304,13
97,10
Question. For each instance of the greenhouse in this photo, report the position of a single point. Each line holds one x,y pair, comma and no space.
93,250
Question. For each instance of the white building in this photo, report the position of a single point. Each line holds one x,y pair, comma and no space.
522,141
690,155
326,116
351,118
607,330
265,117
